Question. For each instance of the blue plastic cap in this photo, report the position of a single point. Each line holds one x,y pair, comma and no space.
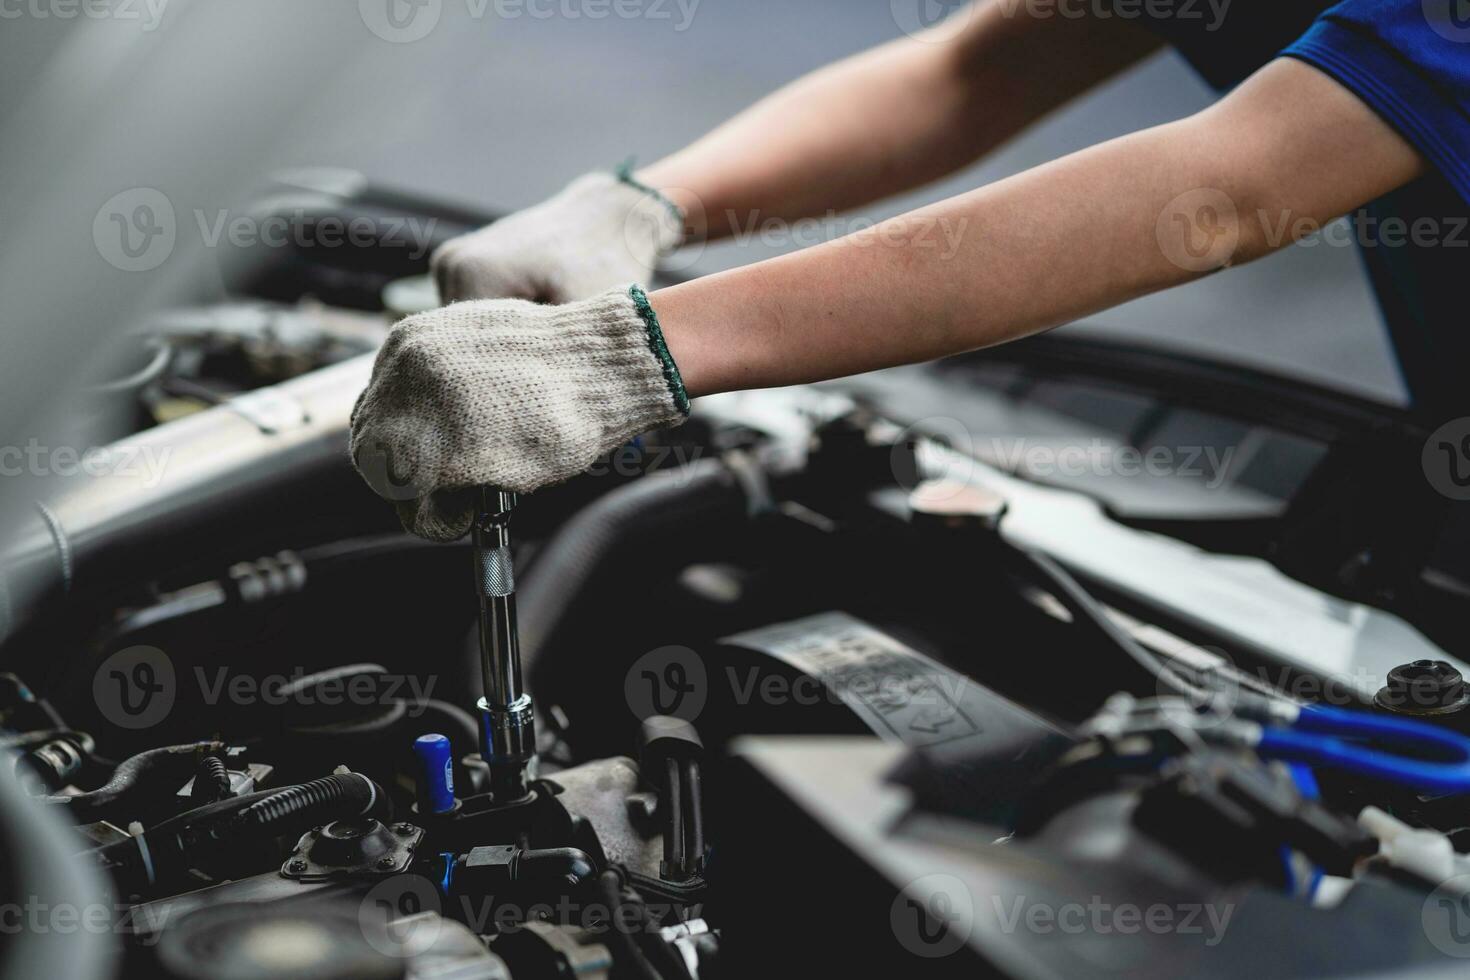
435,774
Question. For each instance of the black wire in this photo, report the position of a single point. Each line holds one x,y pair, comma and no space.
610,887
1086,611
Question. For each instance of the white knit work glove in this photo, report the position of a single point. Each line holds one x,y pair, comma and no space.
603,229
508,394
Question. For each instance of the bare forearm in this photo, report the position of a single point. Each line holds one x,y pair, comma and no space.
1064,240
890,119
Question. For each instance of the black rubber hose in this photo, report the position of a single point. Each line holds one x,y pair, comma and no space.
164,851
175,760
201,817
568,864
138,862
11,741
349,794
626,525
211,781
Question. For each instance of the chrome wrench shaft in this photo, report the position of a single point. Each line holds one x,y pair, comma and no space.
507,719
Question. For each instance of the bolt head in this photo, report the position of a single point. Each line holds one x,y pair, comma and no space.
1423,685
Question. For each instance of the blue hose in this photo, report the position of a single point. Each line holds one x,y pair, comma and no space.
1324,736
1306,784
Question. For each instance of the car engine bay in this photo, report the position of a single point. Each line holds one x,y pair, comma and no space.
800,688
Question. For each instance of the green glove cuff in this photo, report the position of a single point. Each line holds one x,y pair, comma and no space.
624,173
659,348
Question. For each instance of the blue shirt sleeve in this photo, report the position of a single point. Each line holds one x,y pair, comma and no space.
1409,60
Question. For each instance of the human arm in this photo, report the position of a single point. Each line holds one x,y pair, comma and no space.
865,128
537,397
893,118
1290,148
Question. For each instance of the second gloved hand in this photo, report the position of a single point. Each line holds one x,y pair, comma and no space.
603,229
509,394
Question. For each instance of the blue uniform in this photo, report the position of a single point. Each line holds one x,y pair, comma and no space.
1409,60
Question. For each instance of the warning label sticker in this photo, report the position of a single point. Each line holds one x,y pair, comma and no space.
902,694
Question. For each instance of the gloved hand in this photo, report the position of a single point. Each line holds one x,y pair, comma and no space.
603,229
509,394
